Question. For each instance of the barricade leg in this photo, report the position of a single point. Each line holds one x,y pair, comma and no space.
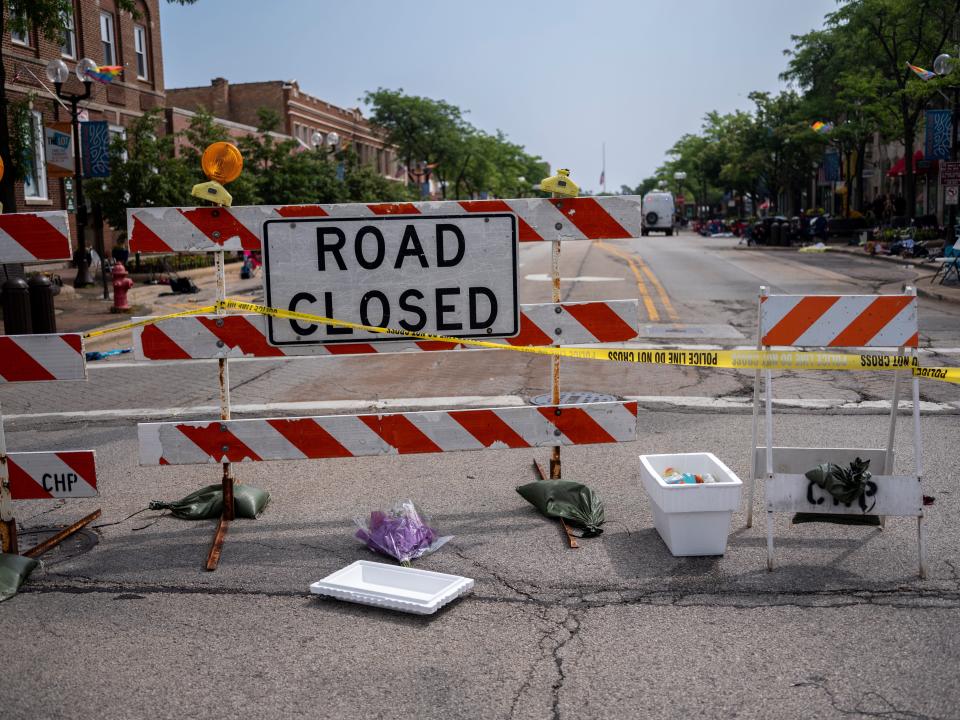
894,411
756,418
213,557
768,390
8,536
769,541
918,468
555,471
753,446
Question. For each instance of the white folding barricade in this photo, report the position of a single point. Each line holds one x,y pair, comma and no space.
866,322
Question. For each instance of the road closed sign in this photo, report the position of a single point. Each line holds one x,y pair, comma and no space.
443,275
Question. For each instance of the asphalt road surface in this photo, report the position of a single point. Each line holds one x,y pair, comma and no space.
123,622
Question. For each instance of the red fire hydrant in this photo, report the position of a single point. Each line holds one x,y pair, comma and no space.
121,284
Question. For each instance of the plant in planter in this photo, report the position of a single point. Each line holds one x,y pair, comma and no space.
845,484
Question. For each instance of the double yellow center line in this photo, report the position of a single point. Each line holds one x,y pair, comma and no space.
640,269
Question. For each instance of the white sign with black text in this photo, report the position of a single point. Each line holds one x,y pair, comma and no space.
443,275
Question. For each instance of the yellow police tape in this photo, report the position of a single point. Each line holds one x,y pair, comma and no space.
735,359
150,321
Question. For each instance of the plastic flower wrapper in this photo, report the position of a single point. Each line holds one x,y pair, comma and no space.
401,533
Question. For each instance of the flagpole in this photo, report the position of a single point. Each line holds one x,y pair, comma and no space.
603,173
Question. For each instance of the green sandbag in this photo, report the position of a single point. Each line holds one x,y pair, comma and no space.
207,502
14,570
572,501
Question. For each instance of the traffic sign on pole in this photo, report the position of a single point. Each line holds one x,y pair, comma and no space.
950,173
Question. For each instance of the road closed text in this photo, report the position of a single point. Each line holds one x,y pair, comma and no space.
454,275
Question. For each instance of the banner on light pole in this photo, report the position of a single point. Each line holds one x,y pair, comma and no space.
58,144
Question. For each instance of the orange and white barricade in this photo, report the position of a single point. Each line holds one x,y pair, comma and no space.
866,322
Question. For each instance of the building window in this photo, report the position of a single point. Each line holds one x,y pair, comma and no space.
69,47
140,47
107,39
35,170
119,131
20,37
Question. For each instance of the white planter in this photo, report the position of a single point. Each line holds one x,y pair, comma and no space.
691,519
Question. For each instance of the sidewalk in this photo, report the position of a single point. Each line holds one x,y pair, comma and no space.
936,291
85,309
925,269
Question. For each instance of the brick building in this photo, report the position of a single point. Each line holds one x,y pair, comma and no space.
96,29
301,116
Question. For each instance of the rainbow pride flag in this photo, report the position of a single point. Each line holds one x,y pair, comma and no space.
821,127
105,74
921,73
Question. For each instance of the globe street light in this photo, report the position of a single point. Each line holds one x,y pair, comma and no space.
58,73
679,176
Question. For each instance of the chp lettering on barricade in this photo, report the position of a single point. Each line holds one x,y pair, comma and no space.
444,268
26,238
839,321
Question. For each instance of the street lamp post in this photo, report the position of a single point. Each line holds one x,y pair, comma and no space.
679,176
58,73
942,66
332,142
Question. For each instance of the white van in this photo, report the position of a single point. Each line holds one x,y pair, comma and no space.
658,212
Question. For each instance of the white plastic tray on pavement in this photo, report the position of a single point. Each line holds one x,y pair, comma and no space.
410,590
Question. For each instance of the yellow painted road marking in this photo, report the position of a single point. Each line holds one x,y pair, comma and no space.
635,259
661,291
648,303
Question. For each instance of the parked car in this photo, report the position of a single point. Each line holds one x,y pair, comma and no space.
658,213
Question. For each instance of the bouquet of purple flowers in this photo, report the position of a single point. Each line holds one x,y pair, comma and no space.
401,533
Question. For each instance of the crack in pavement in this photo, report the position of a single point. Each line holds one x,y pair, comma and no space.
578,598
892,710
571,624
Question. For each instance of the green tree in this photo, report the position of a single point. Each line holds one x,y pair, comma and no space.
465,160
363,184
422,129
839,89
47,17
885,35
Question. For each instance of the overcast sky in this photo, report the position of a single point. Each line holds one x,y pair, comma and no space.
559,78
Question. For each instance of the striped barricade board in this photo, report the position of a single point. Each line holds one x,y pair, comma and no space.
210,336
839,320
790,491
35,358
52,475
339,436
207,229
894,496
34,237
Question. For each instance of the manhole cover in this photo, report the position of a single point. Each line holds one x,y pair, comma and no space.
574,397
81,542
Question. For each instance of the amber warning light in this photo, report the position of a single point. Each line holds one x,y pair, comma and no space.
222,163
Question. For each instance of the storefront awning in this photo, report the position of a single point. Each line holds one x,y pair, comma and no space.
920,166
